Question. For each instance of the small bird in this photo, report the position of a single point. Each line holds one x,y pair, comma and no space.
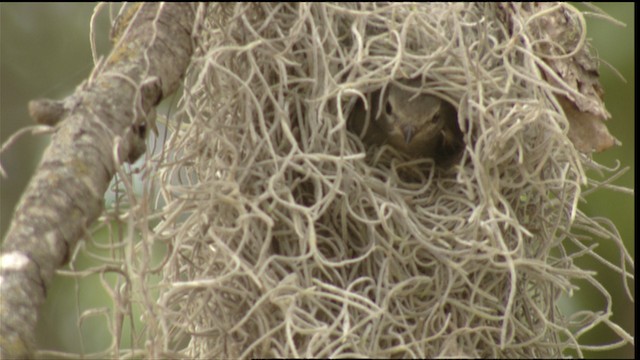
420,125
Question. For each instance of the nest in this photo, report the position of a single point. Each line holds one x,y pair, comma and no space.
291,238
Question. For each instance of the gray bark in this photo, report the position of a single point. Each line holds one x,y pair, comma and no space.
110,111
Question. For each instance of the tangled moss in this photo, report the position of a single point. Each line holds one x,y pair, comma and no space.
289,238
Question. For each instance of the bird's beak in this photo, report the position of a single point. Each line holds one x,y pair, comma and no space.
408,131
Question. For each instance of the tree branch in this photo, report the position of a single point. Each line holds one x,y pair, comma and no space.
102,124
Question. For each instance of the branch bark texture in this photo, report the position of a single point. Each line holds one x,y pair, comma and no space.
104,123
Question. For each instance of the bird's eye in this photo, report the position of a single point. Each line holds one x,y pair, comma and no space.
388,108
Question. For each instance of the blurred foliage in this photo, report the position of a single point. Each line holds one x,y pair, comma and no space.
45,52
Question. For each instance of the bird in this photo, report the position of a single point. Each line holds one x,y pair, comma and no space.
417,124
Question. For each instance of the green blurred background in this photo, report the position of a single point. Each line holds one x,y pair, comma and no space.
45,52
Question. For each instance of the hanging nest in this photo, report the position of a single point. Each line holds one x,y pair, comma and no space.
289,237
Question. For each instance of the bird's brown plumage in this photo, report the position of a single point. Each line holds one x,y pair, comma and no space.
418,124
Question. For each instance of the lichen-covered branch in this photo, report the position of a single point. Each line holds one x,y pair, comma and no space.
98,127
